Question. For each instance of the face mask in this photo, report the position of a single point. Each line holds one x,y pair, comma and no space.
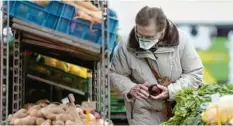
147,43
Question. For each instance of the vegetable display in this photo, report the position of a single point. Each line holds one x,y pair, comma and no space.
45,113
191,103
67,67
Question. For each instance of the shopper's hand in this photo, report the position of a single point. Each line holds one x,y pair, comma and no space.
163,95
140,91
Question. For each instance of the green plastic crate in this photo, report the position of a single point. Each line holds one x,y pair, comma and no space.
57,75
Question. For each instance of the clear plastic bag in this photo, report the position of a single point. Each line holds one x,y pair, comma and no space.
220,110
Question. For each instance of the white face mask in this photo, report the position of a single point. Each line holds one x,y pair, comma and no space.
147,43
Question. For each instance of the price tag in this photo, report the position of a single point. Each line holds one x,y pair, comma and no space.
65,100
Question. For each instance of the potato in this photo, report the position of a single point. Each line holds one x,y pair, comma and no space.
10,117
56,110
46,123
63,106
40,121
83,116
58,122
36,107
29,120
63,117
50,116
69,122
20,115
28,106
40,114
43,111
71,110
79,110
33,112
22,111
12,121
51,106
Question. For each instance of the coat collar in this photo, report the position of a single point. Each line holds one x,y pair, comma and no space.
170,39
151,54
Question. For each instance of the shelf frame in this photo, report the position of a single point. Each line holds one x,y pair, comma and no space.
4,66
55,84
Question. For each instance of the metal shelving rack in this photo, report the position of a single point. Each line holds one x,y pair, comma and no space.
4,68
29,36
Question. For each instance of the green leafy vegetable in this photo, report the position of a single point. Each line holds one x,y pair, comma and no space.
190,104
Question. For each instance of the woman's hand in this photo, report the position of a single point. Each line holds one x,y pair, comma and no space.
140,91
163,95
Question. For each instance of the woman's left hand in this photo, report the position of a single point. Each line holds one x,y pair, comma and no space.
163,95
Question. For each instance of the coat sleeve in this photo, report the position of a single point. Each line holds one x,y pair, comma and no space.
192,68
120,71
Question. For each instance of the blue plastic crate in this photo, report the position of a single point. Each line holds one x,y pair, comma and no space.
59,16
81,29
112,13
112,40
113,22
46,16
113,25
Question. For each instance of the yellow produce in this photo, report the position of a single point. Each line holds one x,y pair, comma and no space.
79,71
76,70
63,66
50,61
83,73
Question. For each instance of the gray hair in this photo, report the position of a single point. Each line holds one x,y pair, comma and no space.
154,14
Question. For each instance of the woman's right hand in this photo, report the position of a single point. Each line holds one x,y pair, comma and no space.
140,91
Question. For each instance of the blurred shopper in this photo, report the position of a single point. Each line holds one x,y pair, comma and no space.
155,46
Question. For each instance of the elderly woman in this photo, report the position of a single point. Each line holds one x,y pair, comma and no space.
156,48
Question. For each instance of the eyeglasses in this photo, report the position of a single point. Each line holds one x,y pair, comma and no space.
145,37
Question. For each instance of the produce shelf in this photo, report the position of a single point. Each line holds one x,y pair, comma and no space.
55,84
29,37
50,39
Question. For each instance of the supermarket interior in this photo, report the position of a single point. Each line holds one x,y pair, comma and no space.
88,62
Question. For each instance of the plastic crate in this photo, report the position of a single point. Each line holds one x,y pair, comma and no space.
113,24
59,16
81,29
46,16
